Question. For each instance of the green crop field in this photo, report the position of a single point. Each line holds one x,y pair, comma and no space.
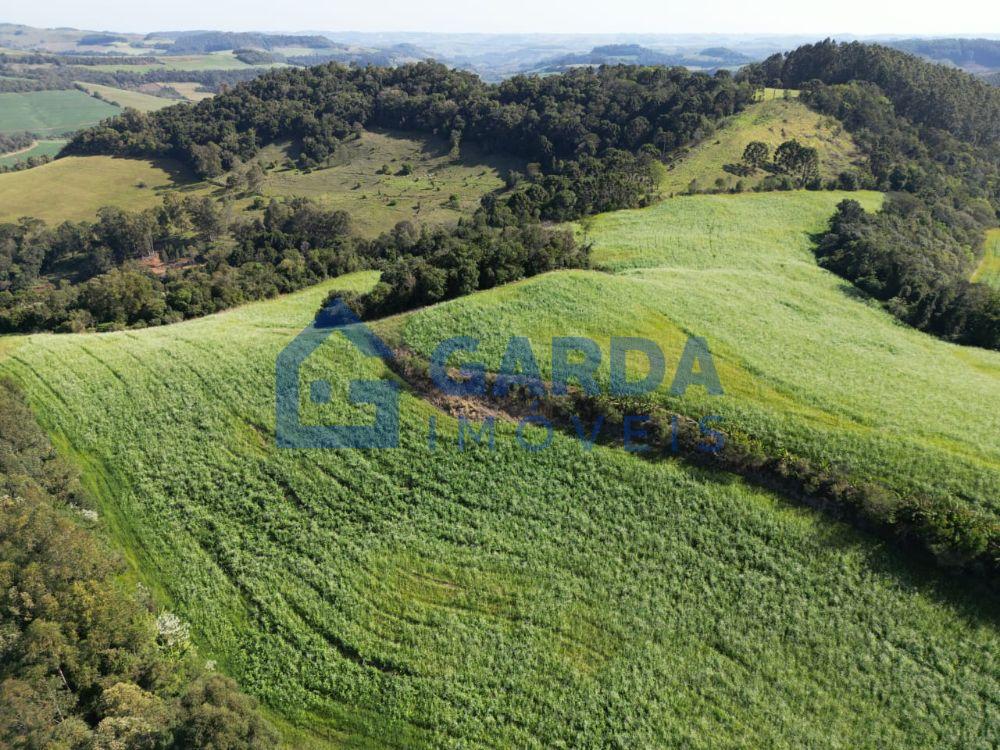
808,366
51,112
40,148
123,98
75,187
989,269
559,598
377,202
772,122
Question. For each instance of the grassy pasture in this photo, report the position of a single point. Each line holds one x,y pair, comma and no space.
189,90
40,148
124,98
377,202
51,112
772,122
989,269
808,366
75,187
410,598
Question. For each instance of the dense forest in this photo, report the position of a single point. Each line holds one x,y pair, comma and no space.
932,136
556,121
591,140
85,660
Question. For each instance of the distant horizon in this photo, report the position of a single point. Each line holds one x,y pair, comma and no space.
855,18
301,31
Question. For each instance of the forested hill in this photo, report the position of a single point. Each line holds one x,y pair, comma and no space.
929,131
548,120
972,54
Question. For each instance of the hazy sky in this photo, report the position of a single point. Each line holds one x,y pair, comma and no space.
644,16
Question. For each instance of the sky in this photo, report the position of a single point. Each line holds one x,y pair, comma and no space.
858,17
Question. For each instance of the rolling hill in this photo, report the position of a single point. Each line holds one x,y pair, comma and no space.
418,597
771,121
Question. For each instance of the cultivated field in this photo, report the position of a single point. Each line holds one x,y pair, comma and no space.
133,99
772,122
51,112
808,366
561,598
75,187
378,201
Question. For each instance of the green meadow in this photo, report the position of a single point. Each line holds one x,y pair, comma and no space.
51,112
74,188
423,597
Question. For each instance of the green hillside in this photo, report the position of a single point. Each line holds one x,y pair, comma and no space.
808,367
366,177
561,598
771,121
51,112
123,98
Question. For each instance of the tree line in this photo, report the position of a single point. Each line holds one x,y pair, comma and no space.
294,243
87,661
932,138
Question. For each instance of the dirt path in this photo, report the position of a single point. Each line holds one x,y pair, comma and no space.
20,150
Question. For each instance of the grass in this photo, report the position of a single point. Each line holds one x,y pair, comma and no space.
988,271
377,202
40,148
808,366
124,98
562,598
189,90
75,187
51,112
772,122
768,94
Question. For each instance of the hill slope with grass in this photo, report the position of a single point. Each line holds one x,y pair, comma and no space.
426,598
384,177
124,98
76,187
772,121
810,368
